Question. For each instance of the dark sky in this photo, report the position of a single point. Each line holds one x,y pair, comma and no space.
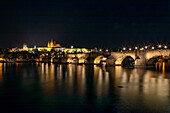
83,23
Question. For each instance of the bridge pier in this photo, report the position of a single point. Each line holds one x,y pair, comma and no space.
110,61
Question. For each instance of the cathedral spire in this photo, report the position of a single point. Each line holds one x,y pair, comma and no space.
48,44
52,44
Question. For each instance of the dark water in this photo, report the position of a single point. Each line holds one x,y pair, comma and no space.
79,88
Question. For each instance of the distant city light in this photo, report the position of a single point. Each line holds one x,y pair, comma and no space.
165,47
146,47
160,46
124,48
130,49
107,50
136,47
71,46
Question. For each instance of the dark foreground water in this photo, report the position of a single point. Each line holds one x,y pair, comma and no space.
79,88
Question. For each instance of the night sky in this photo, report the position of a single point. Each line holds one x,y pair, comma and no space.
83,23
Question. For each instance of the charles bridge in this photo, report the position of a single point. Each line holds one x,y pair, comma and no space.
139,57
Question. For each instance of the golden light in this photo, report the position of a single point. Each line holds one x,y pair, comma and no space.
130,49
107,50
165,47
136,47
142,48
2,59
146,47
124,48
51,59
153,47
100,50
160,46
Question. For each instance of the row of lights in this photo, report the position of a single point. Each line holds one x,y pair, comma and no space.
146,47
100,50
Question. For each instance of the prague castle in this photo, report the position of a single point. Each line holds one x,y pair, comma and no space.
52,46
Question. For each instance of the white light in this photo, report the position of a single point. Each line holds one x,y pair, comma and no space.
153,47
136,47
35,46
124,48
107,50
160,46
146,47
130,49
71,46
165,47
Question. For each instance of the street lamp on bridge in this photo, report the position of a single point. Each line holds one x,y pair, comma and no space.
165,47
124,48
153,47
159,46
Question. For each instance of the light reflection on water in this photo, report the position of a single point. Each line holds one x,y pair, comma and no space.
46,85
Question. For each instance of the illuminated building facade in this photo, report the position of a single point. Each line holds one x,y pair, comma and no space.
51,46
25,48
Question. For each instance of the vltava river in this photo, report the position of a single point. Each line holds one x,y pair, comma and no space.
43,87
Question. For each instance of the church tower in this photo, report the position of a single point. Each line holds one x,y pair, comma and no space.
52,44
48,44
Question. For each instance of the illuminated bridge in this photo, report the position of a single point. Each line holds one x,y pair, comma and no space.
138,57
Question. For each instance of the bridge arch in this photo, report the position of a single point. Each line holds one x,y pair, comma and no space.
152,60
155,53
82,60
98,59
75,60
128,61
69,60
123,58
156,58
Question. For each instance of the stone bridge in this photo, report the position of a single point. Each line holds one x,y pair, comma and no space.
140,57
92,58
